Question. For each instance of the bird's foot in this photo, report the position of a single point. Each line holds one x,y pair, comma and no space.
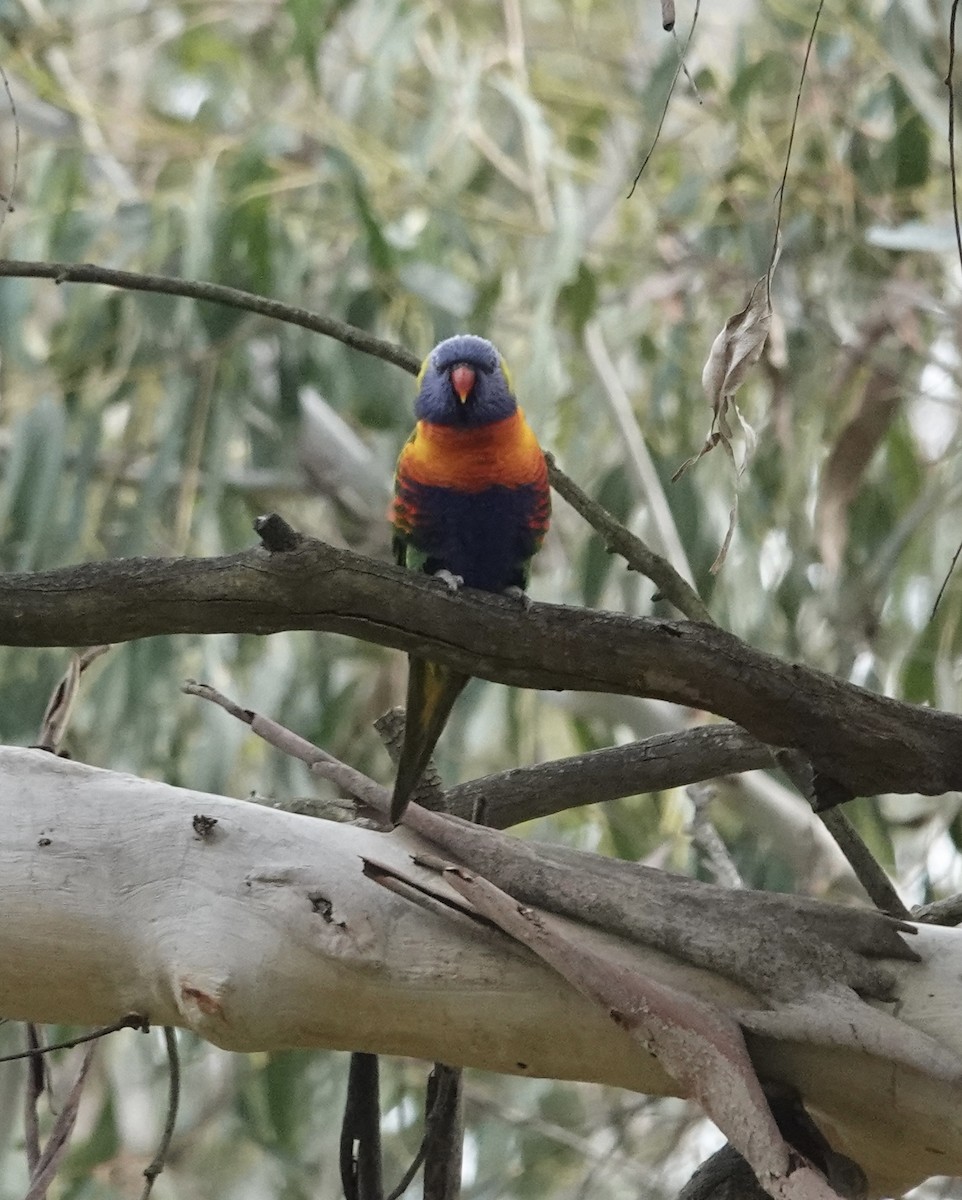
515,593
449,579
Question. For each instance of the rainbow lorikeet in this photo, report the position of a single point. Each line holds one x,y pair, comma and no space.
471,506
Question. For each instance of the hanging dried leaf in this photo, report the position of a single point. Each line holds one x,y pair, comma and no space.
735,350
738,347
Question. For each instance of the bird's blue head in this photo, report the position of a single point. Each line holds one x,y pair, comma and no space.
464,381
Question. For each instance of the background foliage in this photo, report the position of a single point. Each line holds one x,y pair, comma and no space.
419,169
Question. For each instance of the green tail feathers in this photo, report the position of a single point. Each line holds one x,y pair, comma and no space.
432,691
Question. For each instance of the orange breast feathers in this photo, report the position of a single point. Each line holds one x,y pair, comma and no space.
474,458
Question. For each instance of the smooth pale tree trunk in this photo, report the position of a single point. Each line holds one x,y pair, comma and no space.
258,930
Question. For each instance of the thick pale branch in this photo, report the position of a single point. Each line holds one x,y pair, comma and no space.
273,938
867,743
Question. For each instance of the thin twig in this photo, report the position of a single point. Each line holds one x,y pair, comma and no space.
157,1163
438,1101
406,1179
868,871
664,111
353,781
56,718
36,1082
950,85
945,581
15,170
58,1139
631,548
863,862
791,140
215,293
706,839
523,793
131,1021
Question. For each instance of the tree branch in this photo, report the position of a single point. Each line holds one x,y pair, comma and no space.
214,293
665,760
633,550
375,971
867,743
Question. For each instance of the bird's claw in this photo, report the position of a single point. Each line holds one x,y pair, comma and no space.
515,593
449,579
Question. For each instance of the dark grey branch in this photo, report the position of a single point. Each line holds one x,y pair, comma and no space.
684,917
665,760
868,743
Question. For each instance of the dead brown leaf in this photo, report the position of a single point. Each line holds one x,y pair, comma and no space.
735,350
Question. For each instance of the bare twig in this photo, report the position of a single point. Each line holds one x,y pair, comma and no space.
523,793
36,1082
131,1021
56,718
631,548
157,1163
15,169
671,90
215,293
707,840
405,1181
950,85
866,867
443,1103
868,871
791,140
55,1146
353,781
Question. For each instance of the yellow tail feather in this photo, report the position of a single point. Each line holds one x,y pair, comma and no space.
432,691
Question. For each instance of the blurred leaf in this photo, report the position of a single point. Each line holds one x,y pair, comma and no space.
578,300
850,456
913,235
910,146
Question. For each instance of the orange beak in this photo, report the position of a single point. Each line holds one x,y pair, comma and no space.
462,380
